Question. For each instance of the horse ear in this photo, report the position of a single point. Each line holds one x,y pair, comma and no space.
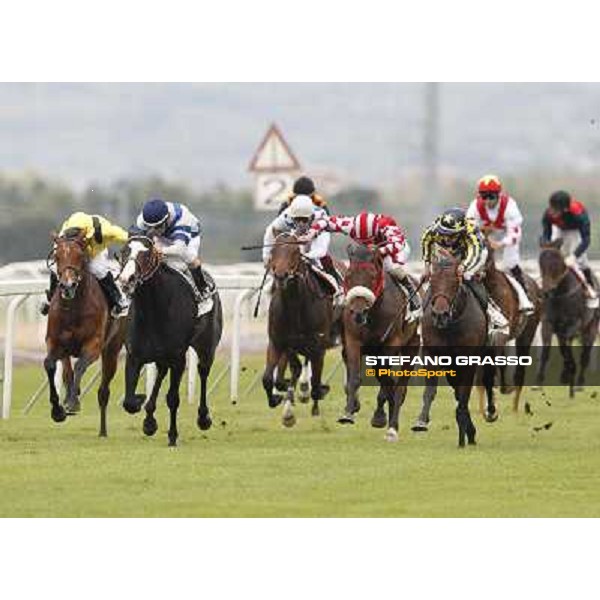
557,243
53,235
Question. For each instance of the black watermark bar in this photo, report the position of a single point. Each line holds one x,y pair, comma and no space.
418,366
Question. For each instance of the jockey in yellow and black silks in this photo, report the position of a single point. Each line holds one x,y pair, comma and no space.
99,234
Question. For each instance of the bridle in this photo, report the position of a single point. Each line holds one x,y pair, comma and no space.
142,273
63,269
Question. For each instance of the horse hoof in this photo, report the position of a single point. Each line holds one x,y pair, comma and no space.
73,408
378,421
472,443
134,404
325,389
420,427
491,417
59,414
314,411
346,419
288,420
172,443
150,427
303,398
204,422
275,400
391,435
579,388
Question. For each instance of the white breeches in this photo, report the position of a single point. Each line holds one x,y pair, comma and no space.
187,254
571,239
102,264
511,256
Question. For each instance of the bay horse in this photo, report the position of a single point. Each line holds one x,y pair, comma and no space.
374,316
522,329
79,326
453,318
565,315
164,324
300,322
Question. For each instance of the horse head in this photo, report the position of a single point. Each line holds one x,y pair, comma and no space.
363,281
71,261
444,285
286,259
139,262
553,268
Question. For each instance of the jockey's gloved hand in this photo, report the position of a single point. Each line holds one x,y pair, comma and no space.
571,261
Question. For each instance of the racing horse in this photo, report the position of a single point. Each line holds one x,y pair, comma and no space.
522,329
374,316
453,318
566,315
164,324
79,326
300,322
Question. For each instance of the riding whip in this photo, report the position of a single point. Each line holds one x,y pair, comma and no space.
260,289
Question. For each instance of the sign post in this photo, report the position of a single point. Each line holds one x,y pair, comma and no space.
275,167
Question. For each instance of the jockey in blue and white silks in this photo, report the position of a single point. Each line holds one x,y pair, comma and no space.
177,234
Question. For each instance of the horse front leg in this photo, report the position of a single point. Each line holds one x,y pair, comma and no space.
587,343
396,399
567,375
429,394
133,402
352,383
546,345
177,369
57,412
488,376
203,420
288,418
150,426
462,393
316,392
72,404
273,357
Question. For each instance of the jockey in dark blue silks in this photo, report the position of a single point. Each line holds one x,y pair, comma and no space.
177,235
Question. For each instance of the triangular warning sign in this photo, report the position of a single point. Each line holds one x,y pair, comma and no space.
274,154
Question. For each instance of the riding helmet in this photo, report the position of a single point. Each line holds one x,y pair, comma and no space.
489,183
453,221
301,207
304,186
560,200
155,212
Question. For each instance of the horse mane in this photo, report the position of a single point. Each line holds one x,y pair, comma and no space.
359,253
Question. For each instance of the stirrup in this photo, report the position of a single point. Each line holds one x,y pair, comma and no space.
592,302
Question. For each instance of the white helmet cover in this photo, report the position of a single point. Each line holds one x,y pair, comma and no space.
301,207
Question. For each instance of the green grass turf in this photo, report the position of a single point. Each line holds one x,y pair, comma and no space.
249,465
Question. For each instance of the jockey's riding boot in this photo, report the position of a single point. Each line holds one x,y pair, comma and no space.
525,304
118,305
45,307
592,301
202,292
413,297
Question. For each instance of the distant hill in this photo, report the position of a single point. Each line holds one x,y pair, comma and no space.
206,133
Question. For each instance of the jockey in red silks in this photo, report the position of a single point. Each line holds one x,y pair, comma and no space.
497,214
380,230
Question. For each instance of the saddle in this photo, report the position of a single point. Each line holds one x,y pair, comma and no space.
211,287
327,281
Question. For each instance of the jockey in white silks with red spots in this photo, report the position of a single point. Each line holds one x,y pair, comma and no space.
380,230
177,234
497,214
297,219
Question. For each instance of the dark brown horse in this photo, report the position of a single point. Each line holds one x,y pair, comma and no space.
164,324
453,319
300,323
522,328
565,315
374,316
79,326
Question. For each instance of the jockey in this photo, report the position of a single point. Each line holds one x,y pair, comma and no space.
100,234
177,234
461,236
568,219
297,219
381,230
304,186
497,214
